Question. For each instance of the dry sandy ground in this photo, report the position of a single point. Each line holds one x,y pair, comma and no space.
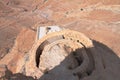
98,19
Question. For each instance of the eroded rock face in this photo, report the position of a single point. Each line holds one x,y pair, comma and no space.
73,56
21,47
76,14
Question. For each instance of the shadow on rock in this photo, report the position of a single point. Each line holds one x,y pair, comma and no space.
96,63
18,76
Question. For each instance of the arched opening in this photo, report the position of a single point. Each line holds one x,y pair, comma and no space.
39,52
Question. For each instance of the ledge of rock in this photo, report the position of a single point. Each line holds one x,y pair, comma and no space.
64,54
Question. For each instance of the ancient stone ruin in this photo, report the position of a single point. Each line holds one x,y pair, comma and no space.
60,54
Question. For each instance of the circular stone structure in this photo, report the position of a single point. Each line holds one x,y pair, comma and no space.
66,55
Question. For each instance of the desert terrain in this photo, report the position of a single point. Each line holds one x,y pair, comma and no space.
99,20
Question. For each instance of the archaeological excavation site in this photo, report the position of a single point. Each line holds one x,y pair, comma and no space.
59,39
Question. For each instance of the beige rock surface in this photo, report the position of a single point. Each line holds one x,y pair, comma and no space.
99,20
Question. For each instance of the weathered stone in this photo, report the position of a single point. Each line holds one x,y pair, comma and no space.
99,20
